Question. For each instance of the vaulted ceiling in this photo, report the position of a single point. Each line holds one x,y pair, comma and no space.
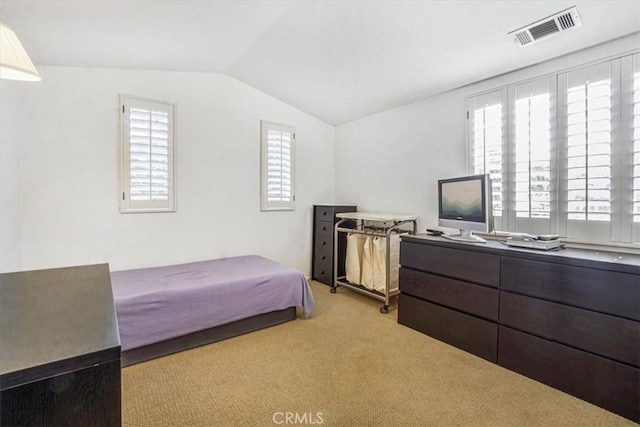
336,60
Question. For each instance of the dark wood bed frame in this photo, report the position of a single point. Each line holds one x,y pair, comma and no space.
207,336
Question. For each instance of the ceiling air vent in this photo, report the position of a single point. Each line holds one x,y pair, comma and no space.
546,27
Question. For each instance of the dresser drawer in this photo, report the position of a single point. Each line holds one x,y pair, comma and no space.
328,212
576,327
471,266
466,332
322,240
601,290
324,228
323,253
324,213
464,296
323,272
606,383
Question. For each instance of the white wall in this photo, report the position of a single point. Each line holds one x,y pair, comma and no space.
391,161
68,135
388,162
10,199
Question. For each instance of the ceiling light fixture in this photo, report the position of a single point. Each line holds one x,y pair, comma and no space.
15,64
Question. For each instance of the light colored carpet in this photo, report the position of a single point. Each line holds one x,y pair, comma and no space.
347,365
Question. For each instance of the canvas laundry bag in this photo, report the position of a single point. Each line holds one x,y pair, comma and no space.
354,257
366,278
380,263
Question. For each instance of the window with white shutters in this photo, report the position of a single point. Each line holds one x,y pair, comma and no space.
278,167
148,152
569,160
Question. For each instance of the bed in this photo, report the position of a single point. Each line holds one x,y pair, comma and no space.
163,310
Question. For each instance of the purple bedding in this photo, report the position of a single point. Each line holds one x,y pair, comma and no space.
155,304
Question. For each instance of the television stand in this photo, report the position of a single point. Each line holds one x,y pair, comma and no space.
464,236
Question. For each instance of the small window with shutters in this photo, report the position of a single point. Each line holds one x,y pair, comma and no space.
147,155
278,167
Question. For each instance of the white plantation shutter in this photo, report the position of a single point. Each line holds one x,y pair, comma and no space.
532,173
533,156
486,146
148,155
586,158
278,149
278,166
589,147
636,139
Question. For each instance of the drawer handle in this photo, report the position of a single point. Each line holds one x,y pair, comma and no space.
324,227
322,272
324,212
323,257
324,243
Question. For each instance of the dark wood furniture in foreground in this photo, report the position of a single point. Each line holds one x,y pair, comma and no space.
59,348
324,219
569,318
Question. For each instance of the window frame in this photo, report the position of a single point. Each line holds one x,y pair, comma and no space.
265,204
127,204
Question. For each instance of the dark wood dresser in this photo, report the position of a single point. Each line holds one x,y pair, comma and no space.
59,348
324,218
569,318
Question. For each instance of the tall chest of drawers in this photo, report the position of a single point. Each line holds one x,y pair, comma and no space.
324,219
569,319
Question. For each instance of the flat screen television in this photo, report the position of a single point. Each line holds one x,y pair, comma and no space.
465,203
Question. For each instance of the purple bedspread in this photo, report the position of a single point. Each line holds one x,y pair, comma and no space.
155,304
